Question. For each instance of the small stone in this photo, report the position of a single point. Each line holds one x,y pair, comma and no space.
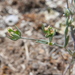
11,20
31,73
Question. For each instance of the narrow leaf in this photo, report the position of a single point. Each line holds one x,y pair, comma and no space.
18,31
66,41
66,30
42,41
67,21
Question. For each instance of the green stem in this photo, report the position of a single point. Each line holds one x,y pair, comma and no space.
41,40
29,38
37,40
58,45
50,39
67,3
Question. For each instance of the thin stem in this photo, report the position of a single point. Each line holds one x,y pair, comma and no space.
50,39
29,38
58,45
37,40
67,3
41,40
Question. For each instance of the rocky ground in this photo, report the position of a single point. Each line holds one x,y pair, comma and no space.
26,57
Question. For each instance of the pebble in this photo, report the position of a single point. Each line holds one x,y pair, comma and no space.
11,20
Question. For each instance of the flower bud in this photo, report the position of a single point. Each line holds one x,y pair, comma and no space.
67,12
49,31
14,34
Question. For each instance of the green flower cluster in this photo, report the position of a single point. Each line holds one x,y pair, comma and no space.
14,34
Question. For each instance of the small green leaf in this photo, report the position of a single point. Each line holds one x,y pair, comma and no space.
14,37
42,41
48,35
66,41
18,31
10,30
66,30
67,21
